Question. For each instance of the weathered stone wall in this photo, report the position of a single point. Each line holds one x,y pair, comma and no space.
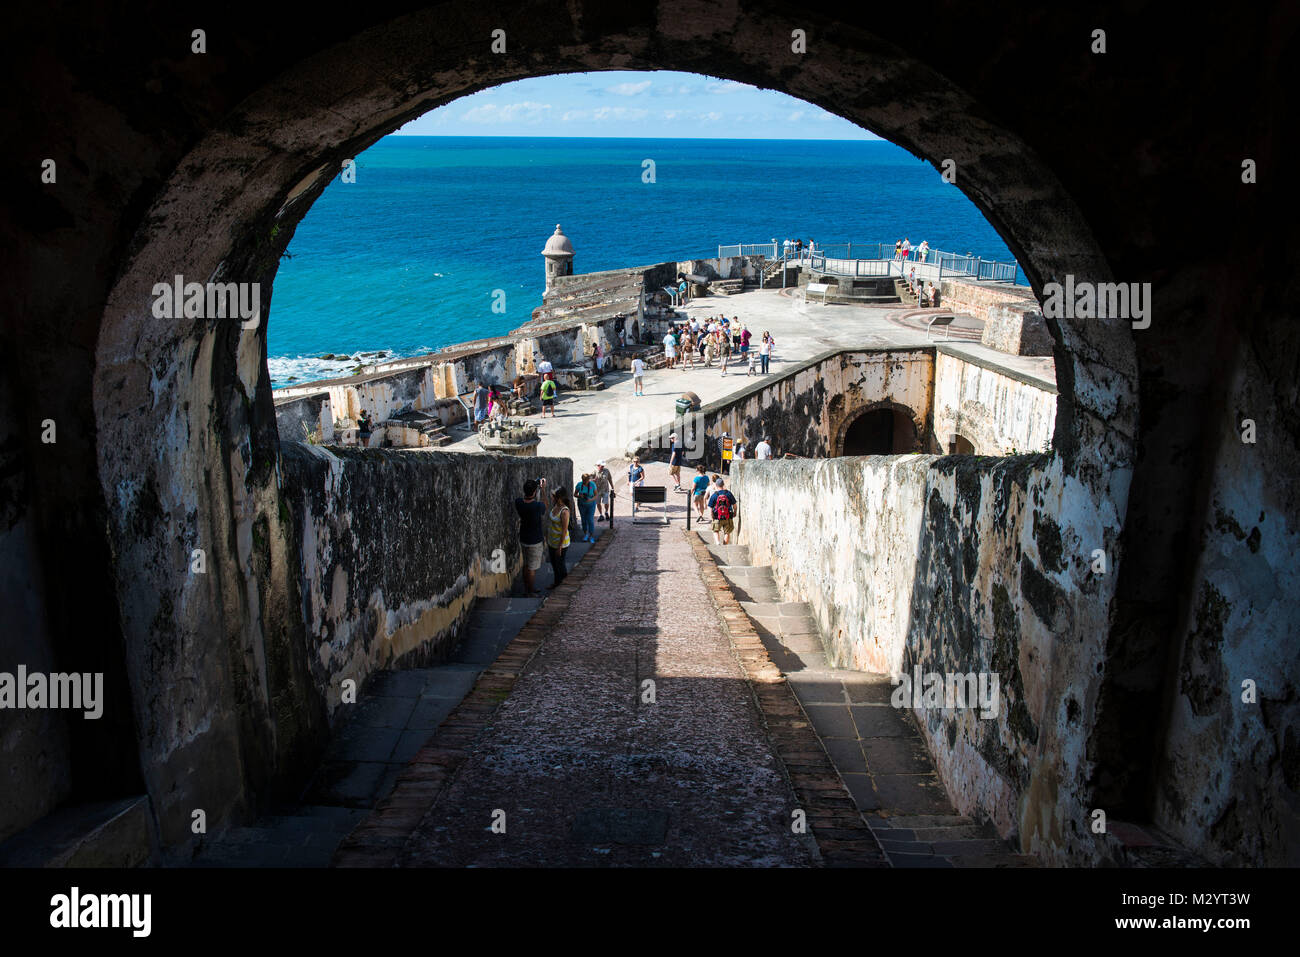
597,296
1018,330
846,542
294,418
979,299
728,267
958,564
997,410
395,546
35,751
430,383
808,409
1229,774
399,390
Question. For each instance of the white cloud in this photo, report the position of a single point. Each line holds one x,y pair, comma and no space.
711,117
604,114
528,111
628,89
727,86
795,117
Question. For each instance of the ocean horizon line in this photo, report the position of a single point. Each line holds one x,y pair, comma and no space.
661,139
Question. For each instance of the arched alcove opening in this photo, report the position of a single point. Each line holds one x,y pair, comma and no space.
882,431
960,445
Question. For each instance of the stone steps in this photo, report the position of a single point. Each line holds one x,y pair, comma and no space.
905,294
877,750
98,834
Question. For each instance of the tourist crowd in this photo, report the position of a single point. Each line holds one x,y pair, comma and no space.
546,516
709,341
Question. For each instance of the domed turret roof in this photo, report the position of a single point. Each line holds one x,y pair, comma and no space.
558,244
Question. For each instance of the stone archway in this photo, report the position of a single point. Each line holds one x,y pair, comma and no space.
187,444
881,428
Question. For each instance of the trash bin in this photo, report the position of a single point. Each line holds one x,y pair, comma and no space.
683,406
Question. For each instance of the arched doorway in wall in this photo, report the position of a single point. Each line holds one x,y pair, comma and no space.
229,210
960,445
886,430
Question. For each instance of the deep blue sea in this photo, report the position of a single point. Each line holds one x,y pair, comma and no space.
407,258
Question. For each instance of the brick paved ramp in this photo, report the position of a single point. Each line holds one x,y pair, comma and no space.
589,774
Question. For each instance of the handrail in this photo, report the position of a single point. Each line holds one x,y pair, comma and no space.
883,263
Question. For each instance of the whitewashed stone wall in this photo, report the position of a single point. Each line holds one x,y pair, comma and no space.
960,565
993,409
390,563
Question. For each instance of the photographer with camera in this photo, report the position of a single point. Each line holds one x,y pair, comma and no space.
531,514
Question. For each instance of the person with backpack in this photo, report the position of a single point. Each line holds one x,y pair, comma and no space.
635,478
723,505
558,519
585,493
548,397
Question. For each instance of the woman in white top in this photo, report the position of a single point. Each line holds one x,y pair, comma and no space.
638,370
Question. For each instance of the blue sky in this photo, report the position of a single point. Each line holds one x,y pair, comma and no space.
623,103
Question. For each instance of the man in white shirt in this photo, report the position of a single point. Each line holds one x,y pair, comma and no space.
638,370
670,349
544,367
763,450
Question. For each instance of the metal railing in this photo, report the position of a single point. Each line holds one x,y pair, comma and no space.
770,250
877,259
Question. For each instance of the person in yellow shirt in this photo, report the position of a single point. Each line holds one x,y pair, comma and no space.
558,518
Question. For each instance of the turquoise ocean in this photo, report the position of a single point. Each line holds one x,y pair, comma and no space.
408,257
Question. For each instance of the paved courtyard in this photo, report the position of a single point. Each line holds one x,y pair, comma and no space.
590,426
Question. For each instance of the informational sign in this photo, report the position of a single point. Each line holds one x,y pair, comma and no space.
727,444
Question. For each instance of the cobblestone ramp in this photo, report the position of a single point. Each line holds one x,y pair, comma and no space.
579,767
393,720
